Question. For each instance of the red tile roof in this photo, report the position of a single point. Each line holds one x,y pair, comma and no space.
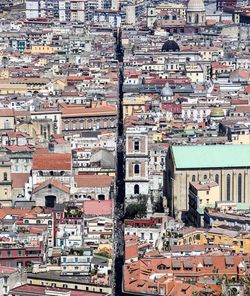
76,111
93,181
97,207
7,113
51,161
52,182
15,212
19,179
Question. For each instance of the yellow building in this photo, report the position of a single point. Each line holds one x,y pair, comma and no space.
44,49
134,105
228,240
44,279
7,88
241,139
4,74
201,194
5,182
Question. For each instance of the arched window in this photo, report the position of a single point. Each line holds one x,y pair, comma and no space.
228,187
217,178
40,173
136,146
62,173
5,176
205,177
197,18
239,188
51,173
193,178
136,169
136,189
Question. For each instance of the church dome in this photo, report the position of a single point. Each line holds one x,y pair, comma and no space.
170,45
217,112
167,91
196,5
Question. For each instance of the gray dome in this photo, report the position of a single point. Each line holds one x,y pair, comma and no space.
167,91
170,45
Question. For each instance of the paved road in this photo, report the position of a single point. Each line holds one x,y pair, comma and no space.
120,186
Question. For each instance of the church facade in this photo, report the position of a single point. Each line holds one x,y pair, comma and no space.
227,165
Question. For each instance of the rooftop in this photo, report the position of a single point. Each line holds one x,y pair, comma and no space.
211,156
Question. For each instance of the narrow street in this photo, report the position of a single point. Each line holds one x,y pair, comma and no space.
120,187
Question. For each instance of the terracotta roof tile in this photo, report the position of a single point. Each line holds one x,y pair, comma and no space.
19,179
54,183
97,207
93,180
51,161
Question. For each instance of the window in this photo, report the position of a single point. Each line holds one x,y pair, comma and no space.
136,169
239,188
205,177
89,124
136,189
142,235
65,286
228,187
193,178
19,253
151,236
217,178
8,253
136,146
5,176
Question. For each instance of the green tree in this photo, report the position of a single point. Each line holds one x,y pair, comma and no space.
136,210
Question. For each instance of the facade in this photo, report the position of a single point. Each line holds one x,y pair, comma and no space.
49,193
136,180
202,194
76,264
5,182
80,119
185,164
196,12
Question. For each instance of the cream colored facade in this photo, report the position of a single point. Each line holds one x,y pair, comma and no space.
44,49
171,8
69,285
195,73
208,196
7,122
5,182
241,139
11,89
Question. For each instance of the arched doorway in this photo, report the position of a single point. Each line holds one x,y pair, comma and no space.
50,201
